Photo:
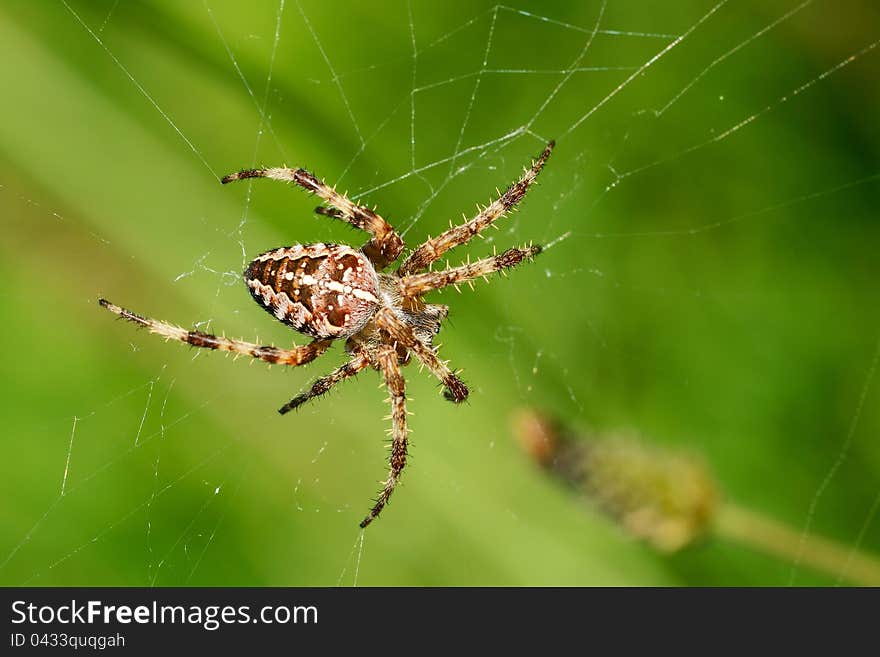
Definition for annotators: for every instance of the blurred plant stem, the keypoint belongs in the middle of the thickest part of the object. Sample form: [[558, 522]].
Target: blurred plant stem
[[763, 533], [670, 499]]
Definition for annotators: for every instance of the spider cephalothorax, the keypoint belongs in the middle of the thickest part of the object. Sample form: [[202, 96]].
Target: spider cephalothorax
[[332, 291]]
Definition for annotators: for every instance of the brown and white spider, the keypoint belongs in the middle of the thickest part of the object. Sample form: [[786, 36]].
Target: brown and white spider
[[332, 291]]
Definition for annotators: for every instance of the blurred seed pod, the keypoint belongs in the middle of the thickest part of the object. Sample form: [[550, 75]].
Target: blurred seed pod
[[671, 500], [665, 498]]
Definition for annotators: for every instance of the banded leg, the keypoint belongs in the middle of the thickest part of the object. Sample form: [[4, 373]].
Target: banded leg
[[325, 383], [295, 356], [387, 361], [418, 284], [455, 389], [385, 246], [435, 247]]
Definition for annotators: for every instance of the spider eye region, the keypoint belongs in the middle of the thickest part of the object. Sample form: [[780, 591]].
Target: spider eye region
[[321, 290]]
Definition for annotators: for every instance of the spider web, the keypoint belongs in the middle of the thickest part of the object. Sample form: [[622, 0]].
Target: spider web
[[681, 291]]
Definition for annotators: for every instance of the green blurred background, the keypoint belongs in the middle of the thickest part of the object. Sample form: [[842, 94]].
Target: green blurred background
[[723, 300]]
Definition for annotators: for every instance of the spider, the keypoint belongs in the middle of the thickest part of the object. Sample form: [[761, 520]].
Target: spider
[[333, 291]]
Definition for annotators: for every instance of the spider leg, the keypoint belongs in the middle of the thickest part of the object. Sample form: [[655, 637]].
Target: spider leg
[[387, 361], [323, 385], [274, 355], [455, 389], [385, 246], [417, 284], [435, 247]]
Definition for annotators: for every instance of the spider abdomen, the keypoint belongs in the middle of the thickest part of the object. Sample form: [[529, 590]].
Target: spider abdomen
[[322, 290]]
